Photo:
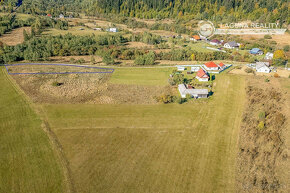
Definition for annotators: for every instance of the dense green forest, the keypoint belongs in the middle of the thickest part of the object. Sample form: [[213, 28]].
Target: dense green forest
[[215, 10]]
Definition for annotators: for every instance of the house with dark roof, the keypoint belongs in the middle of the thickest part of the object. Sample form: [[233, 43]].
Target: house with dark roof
[[231, 45], [202, 75], [256, 51], [195, 93], [215, 42]]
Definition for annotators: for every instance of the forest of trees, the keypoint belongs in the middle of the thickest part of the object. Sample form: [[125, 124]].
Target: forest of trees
[[38, 48], [215, 10]]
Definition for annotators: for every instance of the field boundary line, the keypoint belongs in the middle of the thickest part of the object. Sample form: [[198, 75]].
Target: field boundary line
[[56, 145]]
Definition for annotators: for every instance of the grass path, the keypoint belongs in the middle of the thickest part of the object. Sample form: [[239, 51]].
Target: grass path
[[153, 148], [28, 162]]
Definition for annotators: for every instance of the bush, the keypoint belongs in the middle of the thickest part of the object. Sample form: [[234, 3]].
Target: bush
[[165, 98], [286, 48], [72, 60], [261, 125], [55, 83], [180, 100], [267, 80], [276, 75], [107, 59], [147, 59], [262, 116], [249, 70], [267, 36], [81, 61]]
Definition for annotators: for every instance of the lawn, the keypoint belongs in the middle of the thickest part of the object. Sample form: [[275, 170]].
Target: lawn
[[75, 31], [141, 76], [27, 161], [153, 148], [200, 47]]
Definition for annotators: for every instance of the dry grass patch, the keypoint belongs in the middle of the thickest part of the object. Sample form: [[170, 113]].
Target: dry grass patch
[[15, 36], [84, 88], [263, 154]]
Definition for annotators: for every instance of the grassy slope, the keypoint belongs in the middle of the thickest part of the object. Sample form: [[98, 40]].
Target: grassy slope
[[141, 76], [27, 162], [153, 148]]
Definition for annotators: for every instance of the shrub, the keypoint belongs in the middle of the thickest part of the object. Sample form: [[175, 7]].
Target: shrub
[[262, 116], [107, 59], [286, 48], [55, 83], [261, 125], [72, 60], [267, 36], [180, 100], [165, 98], [81, 61], [147, 59], [249, 70], [267, 80], [276, 75]]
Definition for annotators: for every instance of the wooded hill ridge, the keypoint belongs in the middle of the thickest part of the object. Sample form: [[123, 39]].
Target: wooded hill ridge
[[215, 10]]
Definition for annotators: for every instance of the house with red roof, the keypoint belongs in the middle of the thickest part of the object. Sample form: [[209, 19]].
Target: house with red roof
[[195, 38], [222, 66], [211, 66], [202, 75]]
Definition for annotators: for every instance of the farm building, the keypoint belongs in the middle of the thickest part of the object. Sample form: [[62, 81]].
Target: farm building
[[263, 67], [231, 45], [269, 56], [196, 93], [180, 68], [195, 38], [211, 66], [202, 75], [215, 42], [256, 51], [112, 29]]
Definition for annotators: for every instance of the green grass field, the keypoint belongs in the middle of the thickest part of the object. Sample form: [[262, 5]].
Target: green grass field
[[200, 47], [141, 76], [27, 161], [125, 148], [75, 31], [153, 148]]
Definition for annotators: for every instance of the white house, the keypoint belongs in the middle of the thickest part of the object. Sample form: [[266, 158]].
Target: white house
[[196, 93], [98, 29], [180, 68], [263, 67], [202, 75], [211, 66], [231, 45], [61, 16], [112, 29], [269, 56]]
